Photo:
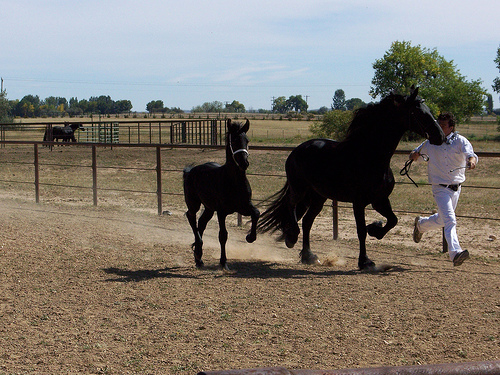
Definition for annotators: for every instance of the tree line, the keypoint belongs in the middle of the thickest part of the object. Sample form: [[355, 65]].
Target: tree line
[[33, 106], [441, 84]]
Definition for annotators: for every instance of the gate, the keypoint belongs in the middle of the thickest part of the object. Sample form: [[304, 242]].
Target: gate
[[103, 132], [204, 132]]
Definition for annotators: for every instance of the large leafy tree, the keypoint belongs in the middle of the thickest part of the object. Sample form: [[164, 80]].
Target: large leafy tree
[[280, 105], [441, 84], [297, 103]]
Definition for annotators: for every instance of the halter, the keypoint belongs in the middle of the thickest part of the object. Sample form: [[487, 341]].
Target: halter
[[233, 153]]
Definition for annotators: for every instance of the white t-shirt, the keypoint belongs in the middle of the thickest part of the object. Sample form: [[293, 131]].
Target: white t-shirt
[[443, 159]]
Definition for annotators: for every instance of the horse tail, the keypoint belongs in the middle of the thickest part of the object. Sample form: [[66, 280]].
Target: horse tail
[[277, 216], [185, 172]]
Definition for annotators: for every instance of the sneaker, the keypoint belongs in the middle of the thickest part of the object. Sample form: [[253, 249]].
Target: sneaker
[[460, 258], [417, 235]]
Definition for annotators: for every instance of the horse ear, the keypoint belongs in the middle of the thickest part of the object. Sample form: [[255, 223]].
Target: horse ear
[[413, 93], [245, 127], [228, 123]]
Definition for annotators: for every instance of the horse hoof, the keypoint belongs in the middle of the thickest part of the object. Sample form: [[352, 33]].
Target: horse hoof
[[375, 229], [373, 268], [310, 259], [367, 265], [199, 264], [289, 244], [251, 237]]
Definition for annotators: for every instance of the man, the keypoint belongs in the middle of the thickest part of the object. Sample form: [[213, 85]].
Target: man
[[446, 172]]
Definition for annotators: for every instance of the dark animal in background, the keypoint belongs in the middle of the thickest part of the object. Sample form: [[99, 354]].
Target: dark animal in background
[[355, 170], [66, 133], [223, 189]]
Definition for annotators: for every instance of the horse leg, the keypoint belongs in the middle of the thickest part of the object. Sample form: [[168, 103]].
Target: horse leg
[[316, 205], [384, 208], [296, 209], [359, 215], [198, 243], [203, 220], [222, 240], [254, 214]]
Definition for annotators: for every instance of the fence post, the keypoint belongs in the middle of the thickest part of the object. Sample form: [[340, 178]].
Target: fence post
[[158, 180], [37, 174], [335, 217], [94, 173]]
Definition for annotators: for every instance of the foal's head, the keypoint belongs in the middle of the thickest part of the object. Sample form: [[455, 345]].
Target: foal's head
[[237, 143]]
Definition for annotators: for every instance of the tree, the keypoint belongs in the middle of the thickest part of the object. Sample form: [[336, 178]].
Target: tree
[[235, 107], [5, 115], [279, 105], [496, 81], [296, 103], [123, 106], [339, 100], [489, 103], [334, 125], [440, 82], [354, 103], [154, 106]]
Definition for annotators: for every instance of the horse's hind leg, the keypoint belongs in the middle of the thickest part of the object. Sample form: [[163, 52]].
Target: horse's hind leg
[[316, 205], [198, 243], [203, 220], [359, 215], [222, 240], [384, 208]]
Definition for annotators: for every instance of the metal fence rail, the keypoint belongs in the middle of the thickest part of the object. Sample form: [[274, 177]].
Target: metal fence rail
[[158, 169]]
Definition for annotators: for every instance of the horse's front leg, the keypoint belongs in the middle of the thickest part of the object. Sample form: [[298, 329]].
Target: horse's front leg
[[359, 215], [384, 208], [222, 240], [254, 214]]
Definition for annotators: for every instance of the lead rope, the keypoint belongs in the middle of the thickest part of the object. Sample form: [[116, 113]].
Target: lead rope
[[405, 171]]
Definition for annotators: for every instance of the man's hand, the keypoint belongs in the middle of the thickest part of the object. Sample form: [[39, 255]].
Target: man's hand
[[471, 164], [414, 155]]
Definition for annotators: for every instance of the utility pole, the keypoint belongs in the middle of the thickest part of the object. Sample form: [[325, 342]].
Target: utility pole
[[2, 86]]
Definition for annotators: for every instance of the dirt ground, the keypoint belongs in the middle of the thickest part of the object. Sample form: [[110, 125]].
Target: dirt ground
[[114, 290]]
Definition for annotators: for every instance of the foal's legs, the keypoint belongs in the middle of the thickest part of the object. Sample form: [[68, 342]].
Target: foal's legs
[[384, 208], [316, 205], [254, 214], [198, 243], [222, 239]]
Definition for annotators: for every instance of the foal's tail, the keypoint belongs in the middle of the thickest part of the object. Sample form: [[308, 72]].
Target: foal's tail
[[277, 216]]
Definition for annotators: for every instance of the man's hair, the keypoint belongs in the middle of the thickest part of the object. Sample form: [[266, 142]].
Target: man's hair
[[447, 116]]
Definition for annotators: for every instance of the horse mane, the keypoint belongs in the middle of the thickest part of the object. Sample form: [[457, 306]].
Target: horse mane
[[370, 115]]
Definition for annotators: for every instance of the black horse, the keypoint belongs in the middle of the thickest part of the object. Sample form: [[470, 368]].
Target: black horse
[[355, 170], [66, 133], [222, 188]]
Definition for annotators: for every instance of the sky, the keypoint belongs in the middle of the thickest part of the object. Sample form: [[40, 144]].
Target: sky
[[188, 52]]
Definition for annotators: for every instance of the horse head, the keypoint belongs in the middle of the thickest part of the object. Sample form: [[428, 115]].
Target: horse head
[[421, 120], [237, 143]]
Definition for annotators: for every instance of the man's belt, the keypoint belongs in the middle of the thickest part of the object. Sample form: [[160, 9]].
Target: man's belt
[[452, 187]]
